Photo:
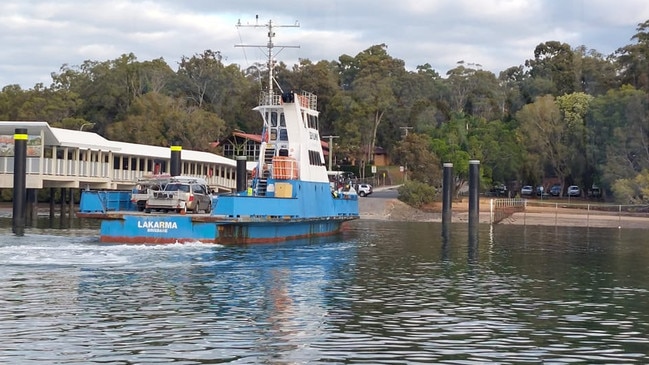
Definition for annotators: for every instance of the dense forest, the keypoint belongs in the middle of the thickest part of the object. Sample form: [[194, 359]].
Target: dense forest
[[567, 112]]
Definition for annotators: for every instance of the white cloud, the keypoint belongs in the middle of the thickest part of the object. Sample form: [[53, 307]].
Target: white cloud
[[39, 36]]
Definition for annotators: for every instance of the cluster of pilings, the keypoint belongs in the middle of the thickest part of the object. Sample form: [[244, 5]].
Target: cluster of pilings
[[474, 201]]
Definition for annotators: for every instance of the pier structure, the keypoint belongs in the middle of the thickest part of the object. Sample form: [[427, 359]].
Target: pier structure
[[76, 159], [64, 158]]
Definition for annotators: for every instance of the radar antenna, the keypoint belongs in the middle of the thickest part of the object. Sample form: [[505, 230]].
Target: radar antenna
[[269, 47]]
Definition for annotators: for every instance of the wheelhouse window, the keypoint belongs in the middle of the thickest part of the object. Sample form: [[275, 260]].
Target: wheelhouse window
[[283, 134]]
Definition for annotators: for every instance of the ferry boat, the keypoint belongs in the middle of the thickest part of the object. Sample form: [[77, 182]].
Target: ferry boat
[[289, 195]]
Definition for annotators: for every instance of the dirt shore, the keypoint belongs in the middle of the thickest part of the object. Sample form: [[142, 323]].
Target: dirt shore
[[395, 210]]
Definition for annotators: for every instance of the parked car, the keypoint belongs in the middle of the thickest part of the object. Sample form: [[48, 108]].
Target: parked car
[[498, 190], [364, 189], [527, 190], [555, 190], [595, 192], [574, 190]]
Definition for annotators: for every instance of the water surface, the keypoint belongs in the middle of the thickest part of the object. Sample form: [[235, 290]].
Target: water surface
[[381, 292]]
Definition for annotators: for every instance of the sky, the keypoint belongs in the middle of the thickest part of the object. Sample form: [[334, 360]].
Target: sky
[[38, 37]]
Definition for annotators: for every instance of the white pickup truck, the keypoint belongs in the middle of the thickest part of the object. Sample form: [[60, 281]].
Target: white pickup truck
[[145, 187], [181, 196]]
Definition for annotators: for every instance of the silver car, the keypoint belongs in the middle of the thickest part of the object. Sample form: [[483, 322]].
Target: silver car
[[573, 190]]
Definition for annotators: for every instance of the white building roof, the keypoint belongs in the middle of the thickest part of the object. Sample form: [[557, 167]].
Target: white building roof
[[92, 141]]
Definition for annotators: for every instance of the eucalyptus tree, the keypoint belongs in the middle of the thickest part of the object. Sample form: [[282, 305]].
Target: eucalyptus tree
[[208, 84], [511, 83], [415, 153], [552, 69], [496, 145], [596, 73], [574, 107], [60, 108], [161, 120], [107, 88], [619, 133], [429, 109], [460, 84], [418, 106], [633, 59], [368, 81], [12, 99], [450, 143], [545, 135]]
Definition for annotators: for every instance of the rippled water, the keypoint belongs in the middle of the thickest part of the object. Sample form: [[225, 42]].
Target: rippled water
[[381, 292]]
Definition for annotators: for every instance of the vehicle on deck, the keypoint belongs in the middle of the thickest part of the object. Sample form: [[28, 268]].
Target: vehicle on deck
[[181, 196], [145, 187]]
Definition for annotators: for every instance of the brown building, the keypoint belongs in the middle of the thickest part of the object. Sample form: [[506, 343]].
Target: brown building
[[247, 144]]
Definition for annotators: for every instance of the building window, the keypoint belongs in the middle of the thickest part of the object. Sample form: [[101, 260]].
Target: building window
[[252, 150], [228, 150]]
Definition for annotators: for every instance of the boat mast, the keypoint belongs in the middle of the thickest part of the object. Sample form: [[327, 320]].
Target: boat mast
[[269, 48]]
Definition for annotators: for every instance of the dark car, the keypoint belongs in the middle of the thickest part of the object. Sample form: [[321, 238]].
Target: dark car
[[498, 190], [555, 190], [595, 192]]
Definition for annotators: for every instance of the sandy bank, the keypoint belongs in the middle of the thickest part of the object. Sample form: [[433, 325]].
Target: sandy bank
[[395, 210]]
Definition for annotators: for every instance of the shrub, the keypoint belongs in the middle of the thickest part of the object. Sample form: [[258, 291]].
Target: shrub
[[417, 194]]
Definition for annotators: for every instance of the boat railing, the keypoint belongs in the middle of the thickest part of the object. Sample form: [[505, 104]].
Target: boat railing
[[306, 99], [266, 98], [285, 168]]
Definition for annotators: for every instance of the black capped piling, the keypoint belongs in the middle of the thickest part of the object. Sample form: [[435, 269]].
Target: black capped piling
[[20, 181]]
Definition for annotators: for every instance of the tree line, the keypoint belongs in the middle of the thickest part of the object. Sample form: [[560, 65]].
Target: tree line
[[567, 112]]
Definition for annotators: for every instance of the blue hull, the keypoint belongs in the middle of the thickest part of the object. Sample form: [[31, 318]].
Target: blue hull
[[235, 219], [172, 228]]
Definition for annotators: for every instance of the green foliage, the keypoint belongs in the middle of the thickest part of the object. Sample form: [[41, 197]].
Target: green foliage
[[619, 133], [545, 134], [415, 153], [634, 190], [554, 61], [633, 59], [161, 121], [417, 194]]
